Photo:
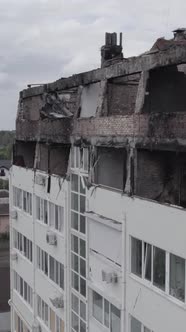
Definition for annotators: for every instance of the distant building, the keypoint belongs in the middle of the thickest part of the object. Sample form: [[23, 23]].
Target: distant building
[[4, 262], [98, 197], [4, 169]]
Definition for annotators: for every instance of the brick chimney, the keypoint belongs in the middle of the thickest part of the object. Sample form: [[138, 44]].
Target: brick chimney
[[111, 52], [179, 34]]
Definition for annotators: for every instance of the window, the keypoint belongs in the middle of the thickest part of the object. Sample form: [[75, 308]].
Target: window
[[43, 311], [159, 268], [147, 261], [155, 270], [23, 200], [78, 264], [24, 245], [80, 158], [19, 326], [51, 267], [137, 326], [42, 260], [39, 208], [78, 314], [137, 248], [56, 324], [177, 277], [27, 202], [48, 316], [115, 319], [17, 197], [50, 214], [80, 166], [45, 212], [56, 272], [136, 257], [23, 289], [97, 306], [106, 313]]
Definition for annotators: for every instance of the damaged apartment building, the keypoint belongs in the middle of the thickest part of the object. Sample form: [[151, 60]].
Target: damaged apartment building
[[98, 196]]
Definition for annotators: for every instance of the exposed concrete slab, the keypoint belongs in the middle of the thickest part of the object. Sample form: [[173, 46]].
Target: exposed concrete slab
[[176, 54]]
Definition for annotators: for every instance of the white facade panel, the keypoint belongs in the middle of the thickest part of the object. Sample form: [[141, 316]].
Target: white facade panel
[[154, 309], [107, 203], [24, 268], [24, 224], [22, 309], [111, 247]]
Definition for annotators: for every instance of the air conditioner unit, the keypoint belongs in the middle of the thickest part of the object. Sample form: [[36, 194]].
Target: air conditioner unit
[[51, 238], [40, 180], [36, 327], [14, 255], [58, 302], [109, 277], [13, 214]]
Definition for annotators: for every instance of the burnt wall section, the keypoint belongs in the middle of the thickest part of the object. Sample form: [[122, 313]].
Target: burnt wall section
[[29, 108], [161, 176], [143, 128], [174, 55], [48, 105], [24, 154], [46, 117], [121, 95], [110, 168], [165, 92], [47, 130]]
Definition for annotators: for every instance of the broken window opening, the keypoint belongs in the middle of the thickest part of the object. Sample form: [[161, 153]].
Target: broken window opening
[[2, 172], [165, 92], [24, 154], [90, 100], [165, 176], [52, 158], [110, 168], [79, 159]]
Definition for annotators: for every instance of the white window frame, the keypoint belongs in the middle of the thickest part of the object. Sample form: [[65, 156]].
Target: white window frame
[[79, 158], [26, 296], [167, 271], [143, 327], [103, 311]]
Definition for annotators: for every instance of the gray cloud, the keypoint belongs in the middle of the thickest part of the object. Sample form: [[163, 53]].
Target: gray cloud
[[42, 40]]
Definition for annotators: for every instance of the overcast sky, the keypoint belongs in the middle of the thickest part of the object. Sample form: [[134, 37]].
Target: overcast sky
[[43, 40]]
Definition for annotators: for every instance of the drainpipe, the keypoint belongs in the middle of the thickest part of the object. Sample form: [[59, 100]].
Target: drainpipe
[[34, 246], [67, 250], [124, 274], [11, 246]]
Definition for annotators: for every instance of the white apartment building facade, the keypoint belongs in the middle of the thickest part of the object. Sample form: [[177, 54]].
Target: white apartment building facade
[[97, 226]]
